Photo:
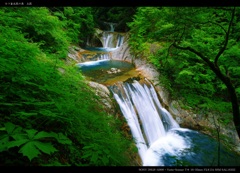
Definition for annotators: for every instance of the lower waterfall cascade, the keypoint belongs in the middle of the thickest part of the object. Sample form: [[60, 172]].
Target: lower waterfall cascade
[[159, 138], [142, 100]]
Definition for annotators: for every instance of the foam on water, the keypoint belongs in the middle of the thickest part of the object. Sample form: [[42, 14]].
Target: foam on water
[[172, 144]]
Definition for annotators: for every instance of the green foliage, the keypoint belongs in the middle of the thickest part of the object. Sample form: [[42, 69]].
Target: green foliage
[[79, 21], [203, 29], [29, 141], [39, 26], [103, 152], [93, 153], [46, 104]]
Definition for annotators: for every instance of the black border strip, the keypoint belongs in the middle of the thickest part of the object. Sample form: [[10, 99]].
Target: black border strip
[[110, 3], [121, 169]]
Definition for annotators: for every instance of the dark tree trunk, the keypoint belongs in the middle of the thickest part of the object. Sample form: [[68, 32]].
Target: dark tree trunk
[[233, 96], [235, 106]]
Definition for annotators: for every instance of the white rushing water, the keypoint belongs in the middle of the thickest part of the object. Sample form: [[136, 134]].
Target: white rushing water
[[130, 115], [91, 63], [150, 123], [112, 40], [107, 39]]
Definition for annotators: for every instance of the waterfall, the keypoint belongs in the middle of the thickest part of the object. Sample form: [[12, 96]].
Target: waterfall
[[146, 117], [120, 39], [112, 40], [95, 60], [123, 98], [107, 39], [103, 56], [108, 36]]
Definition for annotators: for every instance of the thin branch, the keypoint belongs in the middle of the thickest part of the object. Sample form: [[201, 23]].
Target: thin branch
[[210, 64], [169, 50], [203, 23], [194, 51], [219, 26], [226, 39]]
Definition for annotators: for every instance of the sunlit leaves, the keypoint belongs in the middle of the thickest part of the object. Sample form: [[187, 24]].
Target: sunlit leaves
[[38, 25], [185, 73], [79, 23], [167, 26]]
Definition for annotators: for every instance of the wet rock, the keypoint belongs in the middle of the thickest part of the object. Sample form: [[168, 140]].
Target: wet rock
[[132, 79], [103, 92], [73, 53], [114, 71]]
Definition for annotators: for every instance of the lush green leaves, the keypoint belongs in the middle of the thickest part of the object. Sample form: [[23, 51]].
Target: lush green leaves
[[203, 29], [29, 140], [53, 114], [62, 139], [29, 150]]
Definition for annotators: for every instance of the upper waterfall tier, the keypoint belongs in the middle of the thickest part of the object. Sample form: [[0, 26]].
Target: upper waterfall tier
[[105, 40]]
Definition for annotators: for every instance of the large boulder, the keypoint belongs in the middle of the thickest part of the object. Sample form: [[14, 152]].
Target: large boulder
[[104, 94]]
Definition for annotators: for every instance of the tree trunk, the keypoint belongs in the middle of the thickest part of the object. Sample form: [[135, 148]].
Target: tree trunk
[[235, 106], [233, 96]]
